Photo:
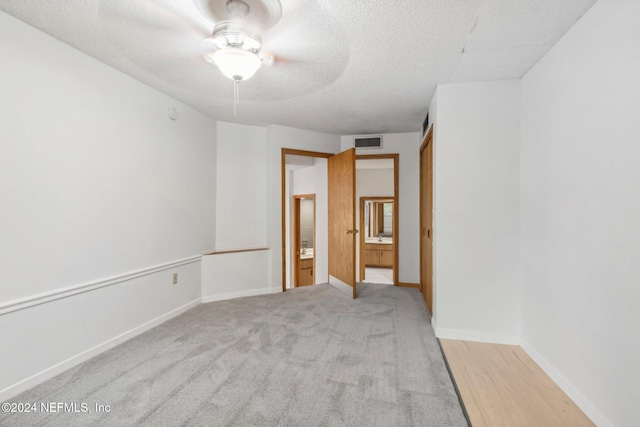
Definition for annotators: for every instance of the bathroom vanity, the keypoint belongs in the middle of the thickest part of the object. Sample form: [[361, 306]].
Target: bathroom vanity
[[379, 253], [305, 272]]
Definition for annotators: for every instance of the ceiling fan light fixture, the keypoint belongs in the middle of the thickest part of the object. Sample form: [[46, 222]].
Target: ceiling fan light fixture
[[267, 58], [238, 25], [236, 63]]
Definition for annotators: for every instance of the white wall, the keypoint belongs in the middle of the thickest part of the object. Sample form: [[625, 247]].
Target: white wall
[[477, 211], [241, 216], [581, 210], [374, 183], [234, 275], [41, 341], [288, 208], [241, 186], [279, 137], [96, 182], [407, 145]]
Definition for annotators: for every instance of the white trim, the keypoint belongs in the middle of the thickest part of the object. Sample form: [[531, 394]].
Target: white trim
[[233, 295], [569, 389], [455, 334], [54, 370], [342, 286], [45, 297]]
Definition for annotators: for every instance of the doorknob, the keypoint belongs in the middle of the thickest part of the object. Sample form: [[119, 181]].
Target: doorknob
[[351, 231]]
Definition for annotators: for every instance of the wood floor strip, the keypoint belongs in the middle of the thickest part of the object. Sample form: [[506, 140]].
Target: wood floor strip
[[502, 386], [455, 385]]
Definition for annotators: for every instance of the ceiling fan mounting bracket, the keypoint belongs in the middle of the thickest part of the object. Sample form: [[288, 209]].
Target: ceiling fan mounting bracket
[[238, 8], [262, 14]]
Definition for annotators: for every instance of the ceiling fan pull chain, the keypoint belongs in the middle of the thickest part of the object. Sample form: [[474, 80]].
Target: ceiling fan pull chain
[[236, 97]]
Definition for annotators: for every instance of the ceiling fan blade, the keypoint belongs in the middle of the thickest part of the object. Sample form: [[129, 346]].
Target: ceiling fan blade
[[163, 16], [302, 65], [135, 30]]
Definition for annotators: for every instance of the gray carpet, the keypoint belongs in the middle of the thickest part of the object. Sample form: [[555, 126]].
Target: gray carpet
[[309, 357]]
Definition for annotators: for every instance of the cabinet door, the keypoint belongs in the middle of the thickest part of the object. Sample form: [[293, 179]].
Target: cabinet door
[[386, 258], [306, 277], [371, 257], [306, 263]]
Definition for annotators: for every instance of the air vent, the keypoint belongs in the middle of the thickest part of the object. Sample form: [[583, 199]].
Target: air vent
[[368, 141], [425, 124]]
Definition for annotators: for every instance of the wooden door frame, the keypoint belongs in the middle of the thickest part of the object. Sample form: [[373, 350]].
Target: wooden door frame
[[283, 197], [428, 139], [362, 265], [396, 205], [295, 231]]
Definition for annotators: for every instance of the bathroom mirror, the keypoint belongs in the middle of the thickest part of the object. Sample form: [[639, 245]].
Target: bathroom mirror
[[378, 218], [306, 224]]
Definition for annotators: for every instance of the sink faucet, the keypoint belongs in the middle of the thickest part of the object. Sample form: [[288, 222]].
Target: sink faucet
[[380, 237]]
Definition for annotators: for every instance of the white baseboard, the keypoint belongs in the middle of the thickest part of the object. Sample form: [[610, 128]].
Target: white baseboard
[[54, 370], [454, 334], [341, 286], [232, 295], [565, 385]]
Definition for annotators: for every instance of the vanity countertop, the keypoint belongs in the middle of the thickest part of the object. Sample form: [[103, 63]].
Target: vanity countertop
[[308, 254], [384, 241]]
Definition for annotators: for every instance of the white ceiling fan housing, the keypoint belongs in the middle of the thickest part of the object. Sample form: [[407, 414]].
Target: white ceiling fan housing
[[237, 33]]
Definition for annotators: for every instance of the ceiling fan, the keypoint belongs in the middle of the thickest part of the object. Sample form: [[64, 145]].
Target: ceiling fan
[[310, 45], [237, 36]]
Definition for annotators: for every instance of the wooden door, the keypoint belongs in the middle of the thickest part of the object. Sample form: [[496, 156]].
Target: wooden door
[[341, 170], [426, 220], [295, 241]]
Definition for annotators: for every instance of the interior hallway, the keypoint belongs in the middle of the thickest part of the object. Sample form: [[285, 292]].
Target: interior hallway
[[382, 276]]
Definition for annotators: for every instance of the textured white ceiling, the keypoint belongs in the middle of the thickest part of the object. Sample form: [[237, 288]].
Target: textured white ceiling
[[342, 67]]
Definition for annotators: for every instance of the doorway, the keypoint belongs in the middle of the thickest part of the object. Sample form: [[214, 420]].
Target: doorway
[[377, 260], [426, 219], [339, 220], [303, 232], [344, 246], [304, 173], [377, 180]]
